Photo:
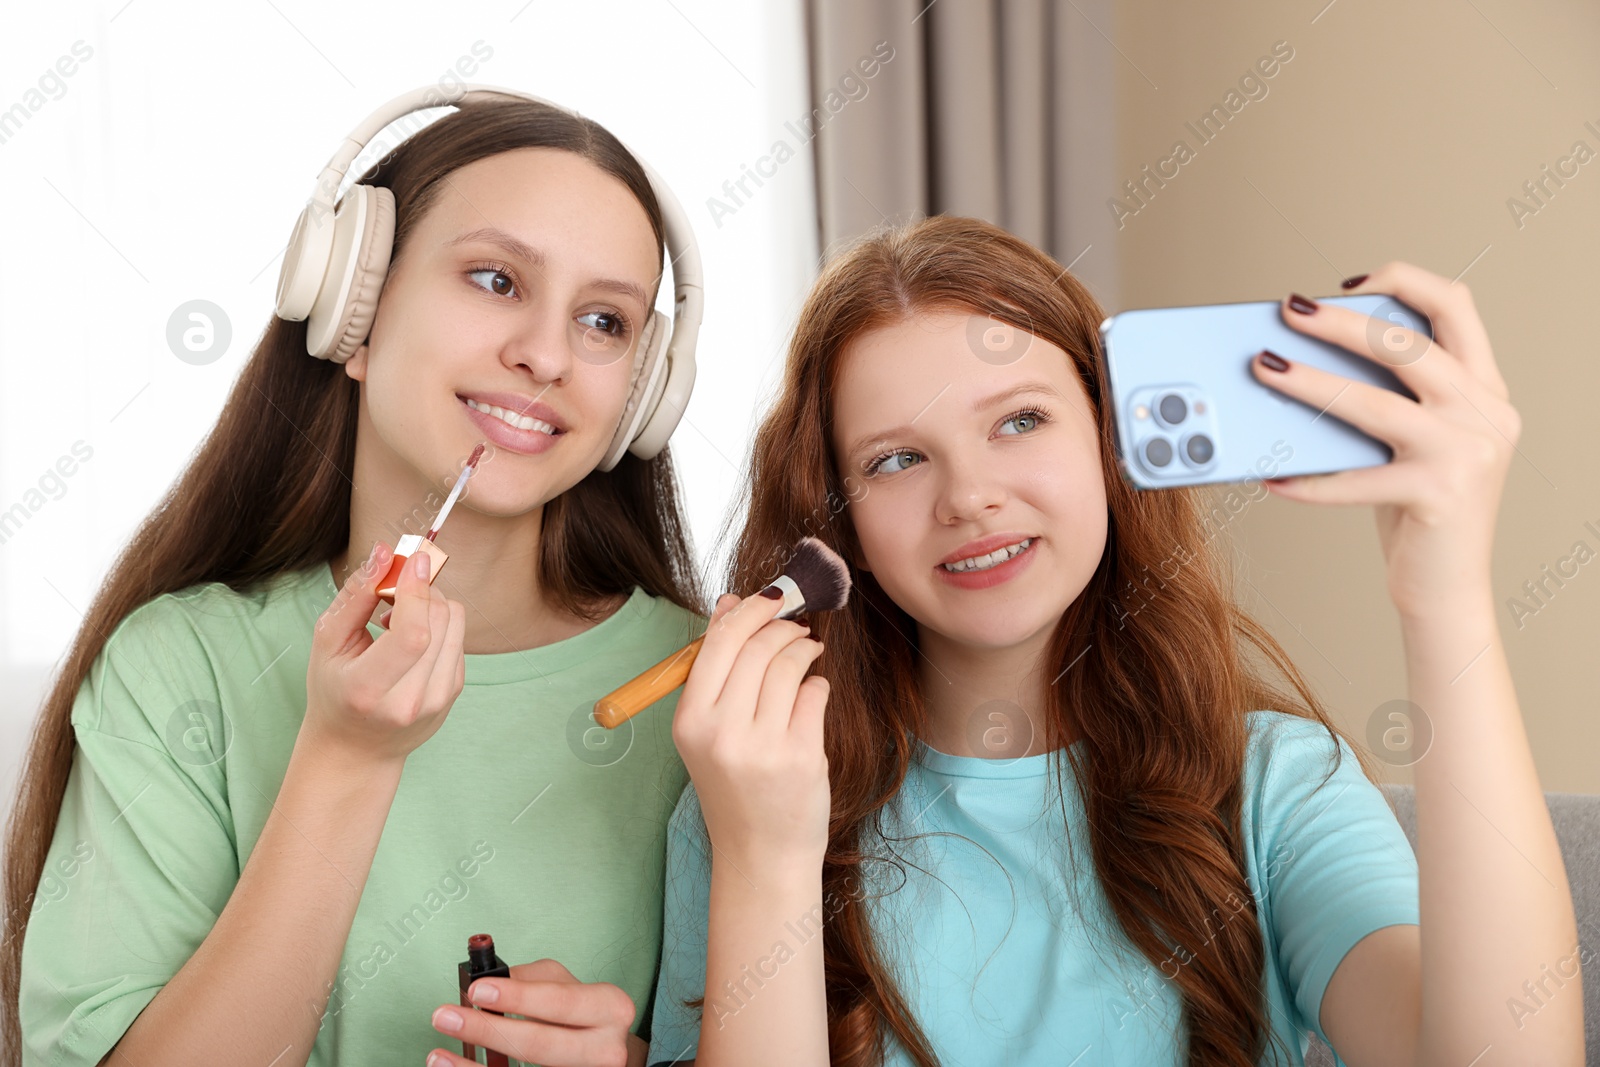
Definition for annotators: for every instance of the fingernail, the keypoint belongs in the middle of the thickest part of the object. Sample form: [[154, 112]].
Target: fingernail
[[483, 993], [1352, 281], [419, 565], [1303, 304], [447, 1019], [803, 620], [1272, 361], [384, 622], [772, 592], [436, 1060]]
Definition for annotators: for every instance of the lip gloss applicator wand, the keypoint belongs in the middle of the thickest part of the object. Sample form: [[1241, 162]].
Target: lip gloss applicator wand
[[410, 544], [815, 579]]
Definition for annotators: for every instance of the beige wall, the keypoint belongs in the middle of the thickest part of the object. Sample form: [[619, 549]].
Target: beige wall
[[1397, 131]]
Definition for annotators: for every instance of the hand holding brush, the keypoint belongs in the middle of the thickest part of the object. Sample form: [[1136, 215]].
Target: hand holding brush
[[749, 728], [814, 580]]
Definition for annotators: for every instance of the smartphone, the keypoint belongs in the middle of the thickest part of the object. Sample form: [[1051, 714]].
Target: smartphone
[[1188, 410]]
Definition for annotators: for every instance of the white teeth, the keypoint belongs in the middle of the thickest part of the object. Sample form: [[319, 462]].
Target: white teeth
[[983, 563], [521, 422]]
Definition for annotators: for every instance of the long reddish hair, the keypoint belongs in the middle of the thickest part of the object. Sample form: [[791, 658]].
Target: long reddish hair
[[1158, 689]]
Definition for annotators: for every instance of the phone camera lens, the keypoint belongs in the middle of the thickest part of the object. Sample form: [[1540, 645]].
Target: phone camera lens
[[1198, 449], [1157, 452], [1172, 409]]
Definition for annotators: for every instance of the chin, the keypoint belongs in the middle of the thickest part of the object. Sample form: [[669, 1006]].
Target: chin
[[1007, 632], [1003, 623], [504, 494]]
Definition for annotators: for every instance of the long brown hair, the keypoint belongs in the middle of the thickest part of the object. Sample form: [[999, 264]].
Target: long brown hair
[[269, 491], [1158, 686]]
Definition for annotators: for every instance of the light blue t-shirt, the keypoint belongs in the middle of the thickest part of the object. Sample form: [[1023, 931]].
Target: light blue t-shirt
[[1005, 958]]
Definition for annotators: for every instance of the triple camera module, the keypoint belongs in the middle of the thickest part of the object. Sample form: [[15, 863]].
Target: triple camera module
[[1172, 431]]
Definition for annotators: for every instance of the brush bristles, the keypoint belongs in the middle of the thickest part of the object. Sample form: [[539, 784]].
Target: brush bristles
[[823, 577]]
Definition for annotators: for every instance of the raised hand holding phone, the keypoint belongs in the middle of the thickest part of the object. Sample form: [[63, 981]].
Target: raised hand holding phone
[[1453, 444], [1188, 411]]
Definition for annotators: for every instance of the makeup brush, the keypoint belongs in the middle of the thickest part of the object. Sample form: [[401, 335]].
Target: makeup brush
[[815, 579], [410, 544]]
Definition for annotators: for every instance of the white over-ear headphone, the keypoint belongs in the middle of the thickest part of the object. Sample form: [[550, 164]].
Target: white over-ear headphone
[[333, 274]]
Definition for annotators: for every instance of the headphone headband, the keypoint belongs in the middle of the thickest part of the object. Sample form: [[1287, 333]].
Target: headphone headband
[[319, 253]]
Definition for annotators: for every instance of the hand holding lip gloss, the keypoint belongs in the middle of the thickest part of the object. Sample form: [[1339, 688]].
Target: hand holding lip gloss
[[409, 545], [481, 962], [415, 684]]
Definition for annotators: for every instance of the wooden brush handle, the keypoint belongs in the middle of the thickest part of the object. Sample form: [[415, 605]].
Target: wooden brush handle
[[630, 698]]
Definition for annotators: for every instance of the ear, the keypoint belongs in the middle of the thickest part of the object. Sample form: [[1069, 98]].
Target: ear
[[356, 366]]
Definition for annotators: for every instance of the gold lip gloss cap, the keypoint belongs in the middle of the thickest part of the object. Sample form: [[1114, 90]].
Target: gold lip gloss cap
[[408, 546]]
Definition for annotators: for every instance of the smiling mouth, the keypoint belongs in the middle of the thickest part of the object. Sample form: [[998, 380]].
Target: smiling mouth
[[512, 419], [993, 559]]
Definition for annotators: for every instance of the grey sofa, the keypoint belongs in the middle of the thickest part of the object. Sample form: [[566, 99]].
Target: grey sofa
[[1577, 821]]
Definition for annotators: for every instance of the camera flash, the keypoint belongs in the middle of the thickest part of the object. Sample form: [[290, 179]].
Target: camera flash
[[1141, 412]]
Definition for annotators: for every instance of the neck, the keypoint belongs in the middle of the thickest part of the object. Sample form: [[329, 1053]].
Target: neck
[[985, 702], [493, 568]]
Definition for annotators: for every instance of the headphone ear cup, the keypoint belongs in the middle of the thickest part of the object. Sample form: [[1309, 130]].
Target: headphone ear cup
[[644, 388], [363, 242]]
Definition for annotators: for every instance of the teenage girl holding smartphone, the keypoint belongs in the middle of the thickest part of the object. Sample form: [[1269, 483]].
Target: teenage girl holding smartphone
[[278, 842], [1034, 808]]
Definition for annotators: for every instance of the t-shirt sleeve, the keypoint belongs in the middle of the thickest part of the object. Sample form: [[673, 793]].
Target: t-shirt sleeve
[[1332, 860], [142, 859], [686, 913]]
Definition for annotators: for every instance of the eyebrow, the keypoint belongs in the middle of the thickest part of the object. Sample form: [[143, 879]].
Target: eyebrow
[[523, 250], [977, 406]]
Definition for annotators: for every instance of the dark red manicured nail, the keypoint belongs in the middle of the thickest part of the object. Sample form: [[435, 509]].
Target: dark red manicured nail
[[1303, 304], [772, 592], [1352, 282], [1272, 361]]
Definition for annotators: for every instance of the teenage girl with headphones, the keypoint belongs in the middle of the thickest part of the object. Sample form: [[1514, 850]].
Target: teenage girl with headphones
[[1063, 813], [247, 831]]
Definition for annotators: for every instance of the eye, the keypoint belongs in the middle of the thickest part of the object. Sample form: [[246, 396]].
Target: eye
[[501, 283], [609, 322], [1032, 417], [878, 464]]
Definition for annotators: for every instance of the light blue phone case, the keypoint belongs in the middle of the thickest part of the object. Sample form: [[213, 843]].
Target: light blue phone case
[[1182, 392]]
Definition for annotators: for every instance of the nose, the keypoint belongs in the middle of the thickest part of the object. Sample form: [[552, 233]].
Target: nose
[[968, 490], [540, 344]]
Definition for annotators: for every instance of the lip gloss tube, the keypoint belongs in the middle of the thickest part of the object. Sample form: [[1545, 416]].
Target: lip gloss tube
[[481, 962], [410, 544]]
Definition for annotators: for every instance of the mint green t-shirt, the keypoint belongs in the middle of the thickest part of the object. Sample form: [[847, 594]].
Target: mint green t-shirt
[[519, 817], [999, 933]]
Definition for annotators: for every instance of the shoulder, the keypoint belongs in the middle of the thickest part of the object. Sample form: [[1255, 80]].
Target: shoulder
[[661, 616], [170, 649], [1299, 777], [1306, 794], [1284, 748], [1327, 860], [688, 842], [687, 819], [205, 605]]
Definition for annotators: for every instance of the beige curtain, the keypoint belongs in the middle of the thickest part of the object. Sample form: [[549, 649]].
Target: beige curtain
[[996, 108]]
